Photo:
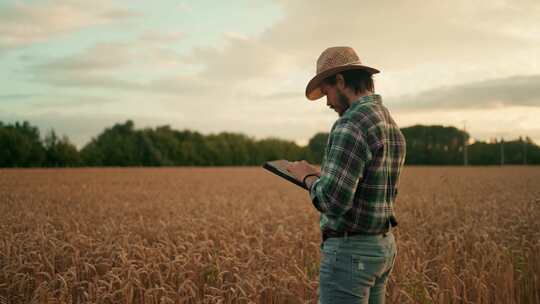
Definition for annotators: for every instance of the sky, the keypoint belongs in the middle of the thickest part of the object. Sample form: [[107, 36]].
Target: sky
[[79, 66]]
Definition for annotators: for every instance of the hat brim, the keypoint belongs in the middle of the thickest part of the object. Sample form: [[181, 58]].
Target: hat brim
[[313, 90]]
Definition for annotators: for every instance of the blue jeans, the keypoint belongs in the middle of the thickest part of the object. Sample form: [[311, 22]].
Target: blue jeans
[[355, 269]]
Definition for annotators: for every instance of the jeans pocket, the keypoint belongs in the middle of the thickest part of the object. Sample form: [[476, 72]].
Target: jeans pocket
[[365, 269]]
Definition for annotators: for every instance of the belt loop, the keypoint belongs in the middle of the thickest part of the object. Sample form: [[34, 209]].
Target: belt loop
[[346, 236]]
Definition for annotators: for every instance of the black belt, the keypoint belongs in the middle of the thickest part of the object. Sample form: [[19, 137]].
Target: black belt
[[332, 234], [338, 234]]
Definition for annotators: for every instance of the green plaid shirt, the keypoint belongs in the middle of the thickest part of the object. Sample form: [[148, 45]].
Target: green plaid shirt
[[360, 171]]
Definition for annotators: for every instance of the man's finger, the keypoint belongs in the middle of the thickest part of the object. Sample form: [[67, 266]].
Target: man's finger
[[291, 165]]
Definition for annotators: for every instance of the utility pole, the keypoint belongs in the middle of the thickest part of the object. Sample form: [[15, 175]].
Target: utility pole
[[502, 151], [525, 151], [465, 144]]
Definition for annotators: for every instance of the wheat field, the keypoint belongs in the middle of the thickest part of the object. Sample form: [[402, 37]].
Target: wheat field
[[242, 235]]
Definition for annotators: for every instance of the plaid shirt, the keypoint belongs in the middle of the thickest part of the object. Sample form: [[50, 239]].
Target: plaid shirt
[[360, 170]]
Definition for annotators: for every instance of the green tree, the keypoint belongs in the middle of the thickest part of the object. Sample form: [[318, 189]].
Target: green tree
[[20, 145], [434, 145], [116, 146], [123, 145], [60, 152]]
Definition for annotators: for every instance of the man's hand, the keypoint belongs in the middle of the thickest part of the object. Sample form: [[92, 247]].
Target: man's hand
[[301, 168]]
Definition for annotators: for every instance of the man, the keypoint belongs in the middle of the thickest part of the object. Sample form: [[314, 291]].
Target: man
[[356, 187]]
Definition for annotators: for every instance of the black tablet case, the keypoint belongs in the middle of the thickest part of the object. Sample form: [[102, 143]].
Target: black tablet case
[[279, 167]]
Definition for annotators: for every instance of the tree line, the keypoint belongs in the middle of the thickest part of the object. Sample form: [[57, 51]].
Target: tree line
[[21, 145]]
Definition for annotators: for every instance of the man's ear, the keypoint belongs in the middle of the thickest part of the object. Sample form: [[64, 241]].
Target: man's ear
[[340, 81]]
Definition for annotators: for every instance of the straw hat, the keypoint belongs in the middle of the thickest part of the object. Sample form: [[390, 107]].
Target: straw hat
[[334, 60]]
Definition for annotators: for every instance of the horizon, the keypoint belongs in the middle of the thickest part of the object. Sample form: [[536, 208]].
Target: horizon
[[242, 66], [472, 139]]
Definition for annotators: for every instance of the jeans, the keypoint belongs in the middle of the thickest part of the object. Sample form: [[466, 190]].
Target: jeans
[[355, 269]]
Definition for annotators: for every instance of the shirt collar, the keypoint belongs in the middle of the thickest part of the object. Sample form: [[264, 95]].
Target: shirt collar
[[375, 98]]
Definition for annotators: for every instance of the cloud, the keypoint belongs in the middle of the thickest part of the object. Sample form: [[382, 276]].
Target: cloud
[[456, 55], [26, 23], [417, 45], [405, 40], [105, 66], [88, 79], [415, 27], [160, 37], [102, 56], [242, 59], [21, 96], [522, 90]]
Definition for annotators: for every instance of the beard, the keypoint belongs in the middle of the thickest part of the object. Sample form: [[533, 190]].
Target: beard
[[343, 102]]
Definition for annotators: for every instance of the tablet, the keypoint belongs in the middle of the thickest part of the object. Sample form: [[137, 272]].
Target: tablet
[[279, 167]]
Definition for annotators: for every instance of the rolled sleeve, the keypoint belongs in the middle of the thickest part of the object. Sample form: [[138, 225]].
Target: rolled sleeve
[[343, 166]]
